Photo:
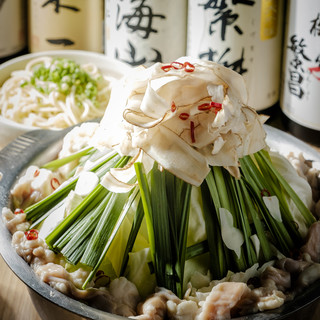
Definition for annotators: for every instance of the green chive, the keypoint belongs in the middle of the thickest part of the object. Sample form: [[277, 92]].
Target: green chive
[[55, 164]]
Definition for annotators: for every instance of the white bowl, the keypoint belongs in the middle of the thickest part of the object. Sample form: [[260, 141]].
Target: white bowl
[[9, 129]]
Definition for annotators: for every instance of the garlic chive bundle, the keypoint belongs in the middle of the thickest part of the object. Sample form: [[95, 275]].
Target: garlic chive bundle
[[177, 144]]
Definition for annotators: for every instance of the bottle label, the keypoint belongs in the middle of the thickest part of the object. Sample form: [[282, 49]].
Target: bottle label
[[145, 31], [58, 25], [269, 19], [301, 87], [244, 36]]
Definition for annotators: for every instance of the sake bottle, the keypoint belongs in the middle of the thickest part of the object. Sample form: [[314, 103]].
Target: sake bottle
[[59, 25], [145, 32], [13, 29], [245, 36], [300, 97]]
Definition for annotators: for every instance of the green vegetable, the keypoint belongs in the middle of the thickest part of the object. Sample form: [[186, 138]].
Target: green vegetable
[[66, 77], [55, 164], [166, 202], [106, 227], [37, 212]]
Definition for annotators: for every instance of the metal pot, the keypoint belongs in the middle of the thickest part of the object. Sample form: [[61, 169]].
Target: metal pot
[[40, 146]]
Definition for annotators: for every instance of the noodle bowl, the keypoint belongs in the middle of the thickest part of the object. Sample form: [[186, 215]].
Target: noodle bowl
[[52, 108], [24, 108]]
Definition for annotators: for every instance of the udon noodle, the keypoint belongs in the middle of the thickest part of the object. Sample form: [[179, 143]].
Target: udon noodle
[[45, 103]]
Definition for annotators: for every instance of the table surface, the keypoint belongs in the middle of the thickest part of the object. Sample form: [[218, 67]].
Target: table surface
[[15, 302]]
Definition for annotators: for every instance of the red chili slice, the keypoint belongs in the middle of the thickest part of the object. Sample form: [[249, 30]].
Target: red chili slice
[[204, 107], [166, 68], [102, 281], [216, 109], [188, 67], [173, 107], [54, 183], [193, 140], [177, 65], [36, 173], [99, 273], [31, 234], [215, 104], [265, 193], [184, 116], [18, 211]]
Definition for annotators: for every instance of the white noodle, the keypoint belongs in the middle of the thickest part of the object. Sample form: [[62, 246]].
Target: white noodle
[[26, 105]]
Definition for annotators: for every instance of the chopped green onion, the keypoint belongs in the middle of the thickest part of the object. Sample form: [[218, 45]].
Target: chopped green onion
[[67, 77]]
